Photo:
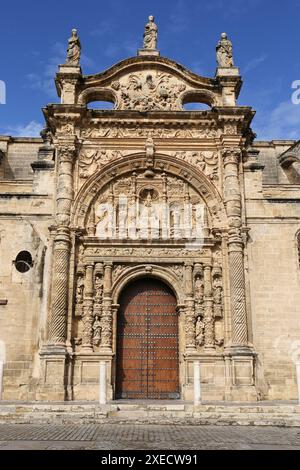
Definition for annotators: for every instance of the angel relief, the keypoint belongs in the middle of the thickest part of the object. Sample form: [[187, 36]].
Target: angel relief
[[91, 160]]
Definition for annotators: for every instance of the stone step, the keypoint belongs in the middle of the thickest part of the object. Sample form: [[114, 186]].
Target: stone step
[[72, 413]]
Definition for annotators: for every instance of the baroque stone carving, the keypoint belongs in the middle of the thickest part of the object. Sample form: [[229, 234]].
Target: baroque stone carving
[[117, 131], [218, 293], [117, 271], [79, 295], [148, 205], [200, 326], [150, 34], [92, 160], [145, 252], [146, 91], [98, 308], [178, 271], [224, 52], [97, 329], [74, 49], [206, 162]]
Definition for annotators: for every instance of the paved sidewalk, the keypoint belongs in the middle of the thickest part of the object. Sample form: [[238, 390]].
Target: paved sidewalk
[[146, 437]]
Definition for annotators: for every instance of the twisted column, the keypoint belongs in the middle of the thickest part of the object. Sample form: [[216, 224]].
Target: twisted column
[[232, 195], [61, 249]]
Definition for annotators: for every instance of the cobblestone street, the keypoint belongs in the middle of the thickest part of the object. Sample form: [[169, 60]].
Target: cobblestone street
[[146, 437]]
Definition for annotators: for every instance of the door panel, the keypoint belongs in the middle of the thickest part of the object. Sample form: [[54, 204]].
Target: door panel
[[147, 345]]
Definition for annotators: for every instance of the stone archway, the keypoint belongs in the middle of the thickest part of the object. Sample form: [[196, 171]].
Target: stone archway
[[147, 363]]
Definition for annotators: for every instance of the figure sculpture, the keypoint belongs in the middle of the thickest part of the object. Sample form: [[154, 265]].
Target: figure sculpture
[[224, 52], [74, 49], [150, 34]]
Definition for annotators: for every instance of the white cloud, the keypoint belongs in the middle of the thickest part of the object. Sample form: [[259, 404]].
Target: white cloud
[[281, 123], [45, 81], [32, 129]]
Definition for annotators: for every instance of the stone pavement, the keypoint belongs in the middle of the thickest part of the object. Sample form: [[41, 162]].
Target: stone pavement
[[146, 437]]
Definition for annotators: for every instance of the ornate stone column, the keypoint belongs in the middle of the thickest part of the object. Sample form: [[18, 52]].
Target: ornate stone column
[[87, 315], [209, 333], [190, 331], [106, 320], [232, 196], [61, 252]]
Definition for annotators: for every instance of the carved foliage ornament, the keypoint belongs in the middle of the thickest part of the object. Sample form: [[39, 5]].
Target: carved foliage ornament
[[117, 131], [146, 91], [207, 163], [92, 160]]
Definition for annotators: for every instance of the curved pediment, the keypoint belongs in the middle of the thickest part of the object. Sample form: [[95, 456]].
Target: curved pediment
[[149, 83]]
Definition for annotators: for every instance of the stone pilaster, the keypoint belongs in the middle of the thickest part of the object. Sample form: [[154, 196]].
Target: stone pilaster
[[107, 317], [87, 316], [209, 333], [190, 321]]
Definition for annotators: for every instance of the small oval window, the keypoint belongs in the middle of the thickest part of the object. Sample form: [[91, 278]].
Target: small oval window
[[23, 262]]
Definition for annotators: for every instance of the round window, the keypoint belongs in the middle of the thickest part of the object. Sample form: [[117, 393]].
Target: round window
[[23, 262]]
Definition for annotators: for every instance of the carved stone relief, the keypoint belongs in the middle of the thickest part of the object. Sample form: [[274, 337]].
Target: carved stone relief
[[208, 307], [140, 207], [92, 160], [99, 131], [149, 90], [207, 162], [145, 252], [117, 271]]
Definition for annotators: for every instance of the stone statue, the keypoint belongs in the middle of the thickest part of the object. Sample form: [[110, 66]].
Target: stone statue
[[224, 52], [199, 331], [98, 289], [150, 34], [74, 49], [97, 331]]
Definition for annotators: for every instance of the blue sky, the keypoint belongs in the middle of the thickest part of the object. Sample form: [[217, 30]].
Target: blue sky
[[265, 36]]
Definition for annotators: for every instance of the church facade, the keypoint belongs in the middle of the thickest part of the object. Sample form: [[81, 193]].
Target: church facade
[[149, 237]]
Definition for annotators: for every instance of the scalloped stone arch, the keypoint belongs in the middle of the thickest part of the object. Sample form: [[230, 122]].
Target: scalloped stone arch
[[147, 270], [135, 162]]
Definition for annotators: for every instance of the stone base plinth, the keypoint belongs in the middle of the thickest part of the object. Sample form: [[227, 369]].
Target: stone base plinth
[[145, 52]]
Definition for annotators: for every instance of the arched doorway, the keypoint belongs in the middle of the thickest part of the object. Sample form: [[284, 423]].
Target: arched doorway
[[147, 342]]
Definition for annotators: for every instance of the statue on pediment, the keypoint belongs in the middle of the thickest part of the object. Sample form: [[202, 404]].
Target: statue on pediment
[[224, 52], [74, 49], [150, 34]]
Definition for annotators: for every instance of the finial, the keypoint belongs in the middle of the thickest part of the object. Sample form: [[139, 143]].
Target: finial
[[224, 52], [74, 49]]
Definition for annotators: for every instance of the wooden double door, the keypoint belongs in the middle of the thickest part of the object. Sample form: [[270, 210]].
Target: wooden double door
[[147, 342]]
